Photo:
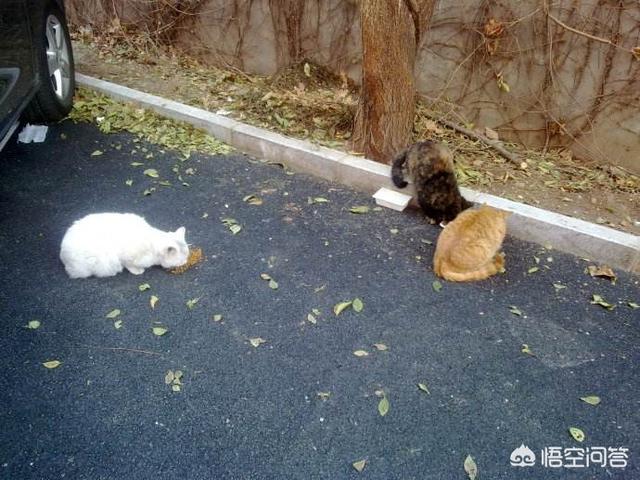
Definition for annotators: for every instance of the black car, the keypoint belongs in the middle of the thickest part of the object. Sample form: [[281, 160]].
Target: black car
[[36, 64]]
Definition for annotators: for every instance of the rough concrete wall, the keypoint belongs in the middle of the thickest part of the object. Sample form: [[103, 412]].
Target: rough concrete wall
[[257, 37], [564, 89]]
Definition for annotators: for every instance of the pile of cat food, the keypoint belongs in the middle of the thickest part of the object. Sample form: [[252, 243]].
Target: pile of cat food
[[195, 257]]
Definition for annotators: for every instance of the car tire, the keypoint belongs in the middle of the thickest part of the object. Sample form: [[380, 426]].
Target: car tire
[[55, 68]]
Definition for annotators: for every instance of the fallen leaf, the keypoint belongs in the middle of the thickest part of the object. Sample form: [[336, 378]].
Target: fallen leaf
[[470, 467], [316, 312], [361, 353], [577, 434], [526, 349], [265, 276], [33, 324], [159, 331], [383, 406], [257, 341], [323, 395], [307, 69], [360, 209], [176, 387], [143, 287], [168, 378], [633, 305], [192, 303], [217, 317], [515, 310], [381, 347], [431, 126], [603, 271], [113, 313], [314, 200], [128, 182], [273, 284], [425, 241], [136, 164], [359, 465], [232, 225], [394, 231], [52, 364], [598, 300], [423, 387], [340, 307], [252, 200], [591, 399], [559, 286], [151, 172], [311, 319], [152, 301], [436, 285], [357, 305], [533, 270], [149, 191], [491, 134], [96, 153]]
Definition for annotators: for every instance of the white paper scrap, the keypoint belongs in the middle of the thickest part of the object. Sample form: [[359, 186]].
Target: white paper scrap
[[392, 199], [33, 133]]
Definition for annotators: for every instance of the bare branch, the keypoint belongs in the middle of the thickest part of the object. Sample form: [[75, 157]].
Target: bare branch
[[495, 144], [632, 51]]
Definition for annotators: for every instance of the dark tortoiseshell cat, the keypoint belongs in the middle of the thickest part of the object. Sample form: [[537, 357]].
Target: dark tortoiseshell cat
[[429, 165]]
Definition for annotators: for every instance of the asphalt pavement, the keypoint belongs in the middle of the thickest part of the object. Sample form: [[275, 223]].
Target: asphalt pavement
[[301, 405]]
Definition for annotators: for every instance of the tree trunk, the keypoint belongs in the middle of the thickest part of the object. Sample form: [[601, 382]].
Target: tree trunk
[[391, 34]]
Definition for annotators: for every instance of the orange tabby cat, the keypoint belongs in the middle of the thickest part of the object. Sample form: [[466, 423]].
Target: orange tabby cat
[[467, 248]]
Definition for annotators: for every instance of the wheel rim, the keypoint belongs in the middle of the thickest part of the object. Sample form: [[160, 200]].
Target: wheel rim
[[58, 58]]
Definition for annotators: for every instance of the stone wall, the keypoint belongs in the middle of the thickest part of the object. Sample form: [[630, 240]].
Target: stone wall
[[505, 65]]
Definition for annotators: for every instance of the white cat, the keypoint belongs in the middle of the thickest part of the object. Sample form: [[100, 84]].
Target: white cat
[[102, 244]]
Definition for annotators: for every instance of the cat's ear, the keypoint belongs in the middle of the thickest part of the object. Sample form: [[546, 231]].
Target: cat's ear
[[180, 233]]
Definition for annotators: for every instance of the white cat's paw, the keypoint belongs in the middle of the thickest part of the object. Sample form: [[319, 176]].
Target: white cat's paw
[[136, 270]]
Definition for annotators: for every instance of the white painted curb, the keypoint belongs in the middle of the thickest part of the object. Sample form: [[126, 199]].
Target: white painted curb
[[567, 234]]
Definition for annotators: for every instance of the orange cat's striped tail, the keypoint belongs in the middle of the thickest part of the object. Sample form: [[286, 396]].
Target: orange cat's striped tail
[[485, 271]]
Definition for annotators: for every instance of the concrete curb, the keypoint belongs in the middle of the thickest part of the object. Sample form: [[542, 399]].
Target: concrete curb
[[617, 249]]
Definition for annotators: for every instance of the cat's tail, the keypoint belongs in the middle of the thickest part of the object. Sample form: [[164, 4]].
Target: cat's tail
[[485, 271], [464, 203], [397, 175]]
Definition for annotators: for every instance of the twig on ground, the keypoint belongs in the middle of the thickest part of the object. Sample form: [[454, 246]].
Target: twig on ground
[[119, 349], [495, 144]]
